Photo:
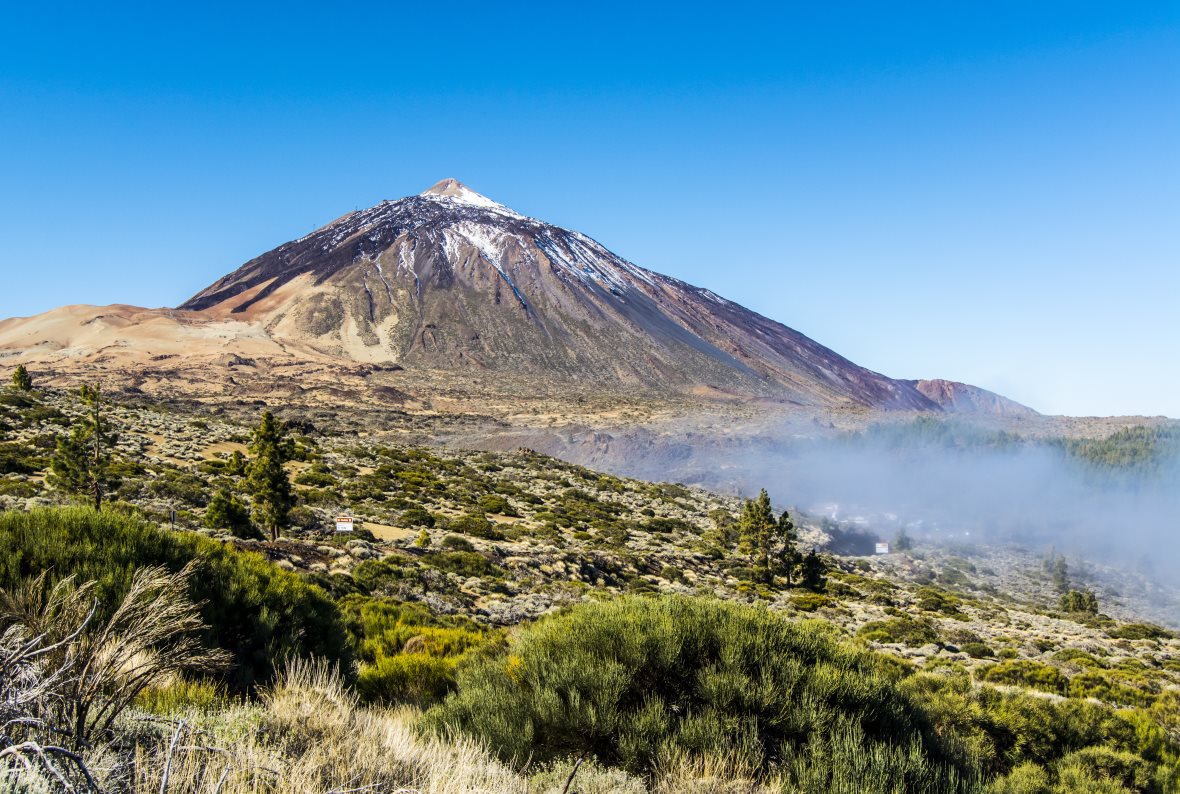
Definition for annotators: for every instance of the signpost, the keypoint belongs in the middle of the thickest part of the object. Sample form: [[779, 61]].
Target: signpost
[[882, 548], [344, 523]]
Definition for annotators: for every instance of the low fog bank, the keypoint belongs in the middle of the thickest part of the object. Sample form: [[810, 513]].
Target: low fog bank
[[940, 480], [990, 489], [1032, 496]]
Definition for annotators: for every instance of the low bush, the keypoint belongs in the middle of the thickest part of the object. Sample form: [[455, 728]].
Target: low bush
[[1139, 631], [416, 678], [1027, 673], [1023, 743], [810, 602], [457, 543], [316, 476], [931, 599], [638, 683], [179, 486], [407, 654], [476, 525], [1079, 657], [1095, 684], [16, 459], [253, 609], [497, 505], [463, 563], [903, 630], [977, 650]]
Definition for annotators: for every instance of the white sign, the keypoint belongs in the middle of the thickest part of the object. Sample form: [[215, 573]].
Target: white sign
[[882, 548], [344, 523]]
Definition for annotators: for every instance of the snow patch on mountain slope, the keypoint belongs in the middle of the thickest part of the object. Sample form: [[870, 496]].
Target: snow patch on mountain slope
[[491, 244]]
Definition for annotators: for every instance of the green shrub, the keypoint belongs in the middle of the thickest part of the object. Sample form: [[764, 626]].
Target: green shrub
[[637, 682], [476, 525], [178, 485], [977, 650], [1027, 673], [255, 610], [497, 505], [317, 476], [810, 602], [18, 459], [672, 574], [457, 543], [463, 563], [407, 654], [931, 599], [1097, 685], [1016, 738], [1139, 631], [660, 525], [904, 630], [1028, 778], [182, 696], [417, 678], [1095, 766], [303, 517], [22, 489], [1079, 657]]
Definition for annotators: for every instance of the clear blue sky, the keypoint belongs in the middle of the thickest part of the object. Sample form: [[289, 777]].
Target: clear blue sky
[[988, 192]]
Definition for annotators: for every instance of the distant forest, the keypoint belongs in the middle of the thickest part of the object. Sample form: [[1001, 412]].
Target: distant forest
[[1135, 455]]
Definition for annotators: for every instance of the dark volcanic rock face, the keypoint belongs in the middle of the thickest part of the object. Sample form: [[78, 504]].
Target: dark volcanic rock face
[[451, 280]]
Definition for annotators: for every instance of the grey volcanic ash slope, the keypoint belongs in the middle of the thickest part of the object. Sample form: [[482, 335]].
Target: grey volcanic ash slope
[[449, 279]]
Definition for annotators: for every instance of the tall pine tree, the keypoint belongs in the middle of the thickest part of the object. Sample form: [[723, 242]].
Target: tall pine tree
[[756, 530], [21, 379], [81, 462], [811, 572], [270, 488], [769, 543], [788, 557]]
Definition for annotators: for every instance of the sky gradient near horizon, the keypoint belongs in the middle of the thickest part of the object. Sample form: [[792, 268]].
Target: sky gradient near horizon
[[981, 192]]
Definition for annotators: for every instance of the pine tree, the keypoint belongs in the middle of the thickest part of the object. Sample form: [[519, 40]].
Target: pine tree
[[811, 572], [1090, 602], [770, 544], [724, 534], [81, 462], [1059, 570], [236, 465], [226, 511], [756, 532], [902, 542], [788, 556], [1079, 601], [270, 488], [21, 379]]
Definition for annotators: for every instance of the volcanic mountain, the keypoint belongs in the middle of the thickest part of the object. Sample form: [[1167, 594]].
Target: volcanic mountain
[[449, 280]]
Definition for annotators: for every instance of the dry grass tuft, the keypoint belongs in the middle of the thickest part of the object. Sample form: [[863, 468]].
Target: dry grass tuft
[[307, 734]]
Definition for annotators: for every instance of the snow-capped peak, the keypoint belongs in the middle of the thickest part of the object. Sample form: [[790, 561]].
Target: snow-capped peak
[[454, 190]]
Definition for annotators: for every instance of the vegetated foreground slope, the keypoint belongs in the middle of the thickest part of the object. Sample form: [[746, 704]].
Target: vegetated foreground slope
[[889, 685], [671, 694], [449, 281]]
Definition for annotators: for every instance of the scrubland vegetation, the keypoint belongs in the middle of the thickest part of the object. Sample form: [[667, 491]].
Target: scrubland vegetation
[[522, 620]]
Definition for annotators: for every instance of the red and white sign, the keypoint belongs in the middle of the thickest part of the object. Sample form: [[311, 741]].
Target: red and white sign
[[344, 523]]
